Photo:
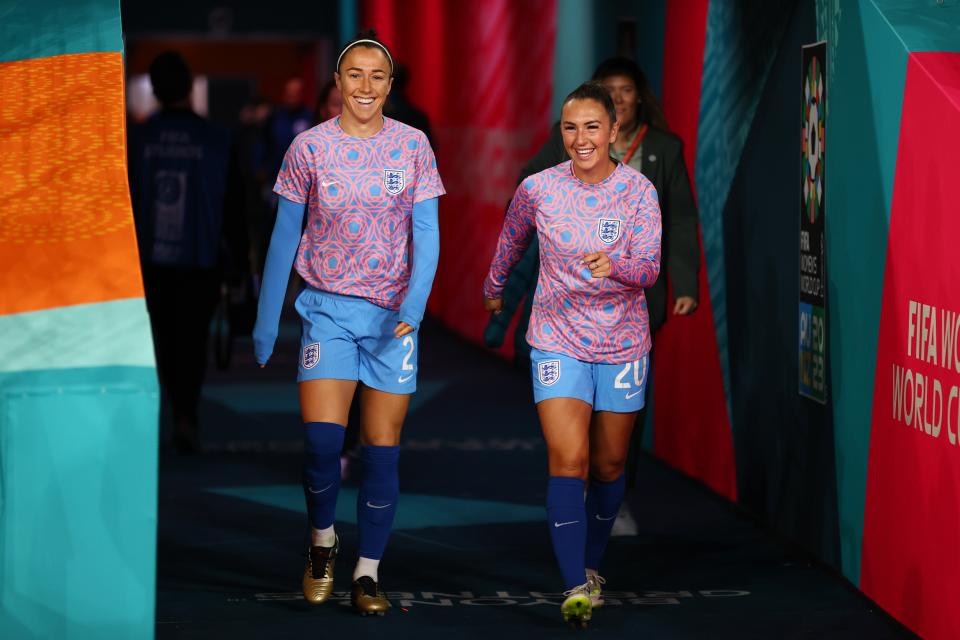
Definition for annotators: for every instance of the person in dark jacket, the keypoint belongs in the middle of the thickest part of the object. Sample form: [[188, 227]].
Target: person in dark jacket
[[188, 210], [645, 144]]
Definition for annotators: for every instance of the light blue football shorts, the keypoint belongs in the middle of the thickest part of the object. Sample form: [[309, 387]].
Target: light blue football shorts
[[349, 338], [606, 387]]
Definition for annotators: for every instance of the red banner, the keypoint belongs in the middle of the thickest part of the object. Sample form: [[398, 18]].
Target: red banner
[[691, 426], [483, 72], [911, 555]]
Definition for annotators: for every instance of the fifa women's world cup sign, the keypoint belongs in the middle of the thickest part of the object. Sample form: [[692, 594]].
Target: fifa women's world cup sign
[[813, 274]]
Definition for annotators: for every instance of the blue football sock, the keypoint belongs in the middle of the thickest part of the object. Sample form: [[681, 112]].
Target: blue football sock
[[377, 499], [323, 442], [566, 517], [603, 503]]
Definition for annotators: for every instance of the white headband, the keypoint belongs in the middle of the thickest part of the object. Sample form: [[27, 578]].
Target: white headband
[[365, 41]]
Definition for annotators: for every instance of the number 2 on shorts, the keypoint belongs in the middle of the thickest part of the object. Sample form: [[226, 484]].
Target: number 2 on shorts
[[408, 342]]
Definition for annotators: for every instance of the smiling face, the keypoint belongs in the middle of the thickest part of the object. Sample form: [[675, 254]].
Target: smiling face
[[587, 136], [364, 82], [623, 91]]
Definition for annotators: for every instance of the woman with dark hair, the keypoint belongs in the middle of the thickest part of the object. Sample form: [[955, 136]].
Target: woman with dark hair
[[598, 224], [628, 86], [369, 186], [645, 144]]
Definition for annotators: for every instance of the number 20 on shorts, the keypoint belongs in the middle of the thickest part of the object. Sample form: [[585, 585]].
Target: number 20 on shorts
[[621, 381]]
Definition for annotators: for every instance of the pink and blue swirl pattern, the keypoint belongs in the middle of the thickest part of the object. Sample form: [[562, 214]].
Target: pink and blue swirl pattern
[[601, 320], [359, 194]]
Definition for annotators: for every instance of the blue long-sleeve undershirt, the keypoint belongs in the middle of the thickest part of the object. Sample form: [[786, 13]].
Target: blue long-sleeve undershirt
[[426, 255], [283, 250], [276, 274]]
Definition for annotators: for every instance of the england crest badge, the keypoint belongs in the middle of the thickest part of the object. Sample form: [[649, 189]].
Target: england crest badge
[[393, 181], [311, 355], [549, 372], [608, 230]]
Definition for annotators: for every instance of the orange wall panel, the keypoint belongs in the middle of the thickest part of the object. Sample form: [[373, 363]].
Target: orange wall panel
[[63, 184]]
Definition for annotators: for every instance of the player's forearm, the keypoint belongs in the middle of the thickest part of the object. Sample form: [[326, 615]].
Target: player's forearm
[[639, 272], [640, 266], [426, 255], [276, 273], [518, 230], [513, 242]]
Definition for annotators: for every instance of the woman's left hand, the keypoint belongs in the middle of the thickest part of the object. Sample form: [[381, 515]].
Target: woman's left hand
[[684, 306], [598, 263], [402, 329]]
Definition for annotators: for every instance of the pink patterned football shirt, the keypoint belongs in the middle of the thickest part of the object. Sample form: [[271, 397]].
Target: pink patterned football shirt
[[602, 320], [359, 194]]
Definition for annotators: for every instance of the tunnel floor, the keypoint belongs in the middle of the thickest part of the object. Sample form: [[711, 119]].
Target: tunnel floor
[[470, 555]]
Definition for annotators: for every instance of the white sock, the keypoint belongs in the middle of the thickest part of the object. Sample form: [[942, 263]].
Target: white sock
[[323, 537], [366, 567]]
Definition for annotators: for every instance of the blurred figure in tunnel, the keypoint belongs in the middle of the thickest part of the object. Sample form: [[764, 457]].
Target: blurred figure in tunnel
[[288, 119], [188, 209], [329, 103], [399, 107], [250, 143]]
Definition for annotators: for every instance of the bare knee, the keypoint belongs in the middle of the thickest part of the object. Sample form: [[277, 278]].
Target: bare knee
[[380, 437], [569, 466], [608, 469]]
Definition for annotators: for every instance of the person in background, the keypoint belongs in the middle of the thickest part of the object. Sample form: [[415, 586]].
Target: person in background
[[288, 119], [329, 103], [188, 209], [645, 144], [250, 143], [598, 223], [399, 107], [368, 255]]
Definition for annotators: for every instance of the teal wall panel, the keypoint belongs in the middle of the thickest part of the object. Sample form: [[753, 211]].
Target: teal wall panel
[[78, 493], [347, 25], [573, 57], [784, 442], [115, 333], [649, 23], [866, 71], [742, 40], [43, 28], [651, 34], [924, 25]]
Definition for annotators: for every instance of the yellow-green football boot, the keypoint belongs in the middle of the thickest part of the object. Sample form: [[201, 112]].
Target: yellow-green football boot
[[318, 575], [595, 589], [576, 609], [367, 598]]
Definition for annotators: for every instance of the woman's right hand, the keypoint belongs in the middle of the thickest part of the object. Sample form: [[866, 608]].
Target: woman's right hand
[[493, 304]]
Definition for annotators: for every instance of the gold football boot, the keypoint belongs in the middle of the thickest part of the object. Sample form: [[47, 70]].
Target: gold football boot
[[367, 598], [318, 576]]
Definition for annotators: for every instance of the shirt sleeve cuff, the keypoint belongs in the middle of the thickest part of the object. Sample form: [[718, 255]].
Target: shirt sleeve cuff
[[428, 194], [292, 196]]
